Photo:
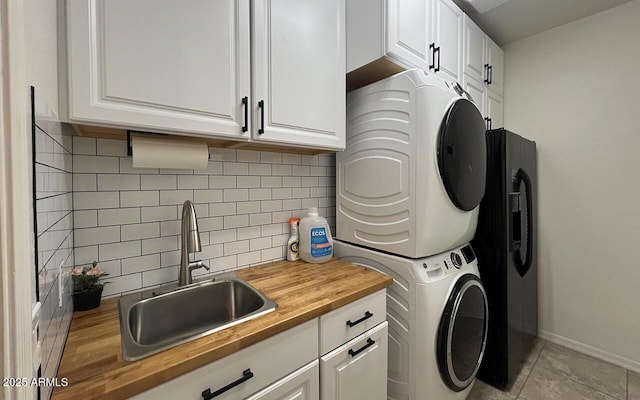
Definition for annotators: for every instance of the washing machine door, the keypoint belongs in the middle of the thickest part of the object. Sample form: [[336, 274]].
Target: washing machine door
[[462, 154], [462, 334]]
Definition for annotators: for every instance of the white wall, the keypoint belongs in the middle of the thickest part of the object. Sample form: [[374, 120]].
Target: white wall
[[575, 90]]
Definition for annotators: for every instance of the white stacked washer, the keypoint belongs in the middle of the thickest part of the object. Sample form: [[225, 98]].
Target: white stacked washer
[[413, 173], [437, 314], [408, 188]]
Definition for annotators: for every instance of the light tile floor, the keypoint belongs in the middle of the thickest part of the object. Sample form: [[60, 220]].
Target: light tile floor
[[554, 372]]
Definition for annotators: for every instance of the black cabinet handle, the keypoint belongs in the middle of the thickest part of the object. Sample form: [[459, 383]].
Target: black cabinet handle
[[246, 375], [367, 315], [370, 342], [245, 101], [486, 73], [432, 48], [486, 121], [437, 50], [490, 74], [261, 107], [489, 120]]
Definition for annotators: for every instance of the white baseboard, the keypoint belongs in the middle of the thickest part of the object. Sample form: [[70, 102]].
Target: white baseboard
[[612, 358]]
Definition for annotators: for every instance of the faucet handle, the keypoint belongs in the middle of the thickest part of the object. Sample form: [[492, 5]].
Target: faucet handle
[[196, 265]]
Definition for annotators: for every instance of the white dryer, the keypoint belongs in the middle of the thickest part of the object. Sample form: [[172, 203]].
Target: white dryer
[[413, 172], [437, 314]]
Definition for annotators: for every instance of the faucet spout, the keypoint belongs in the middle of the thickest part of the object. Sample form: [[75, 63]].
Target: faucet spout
[[190, 242]]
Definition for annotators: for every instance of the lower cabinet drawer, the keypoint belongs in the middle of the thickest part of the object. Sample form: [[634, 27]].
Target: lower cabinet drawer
[[343, 324], [243, 373], [302, 384], [357, 369]]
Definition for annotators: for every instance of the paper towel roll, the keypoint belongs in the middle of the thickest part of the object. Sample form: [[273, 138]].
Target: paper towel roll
[[168, 152]]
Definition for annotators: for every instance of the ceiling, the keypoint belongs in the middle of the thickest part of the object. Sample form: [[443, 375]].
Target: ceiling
[[507, 21]]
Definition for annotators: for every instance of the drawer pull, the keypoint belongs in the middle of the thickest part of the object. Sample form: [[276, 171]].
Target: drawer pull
[[367, 315], [246, 375], [370, 342]]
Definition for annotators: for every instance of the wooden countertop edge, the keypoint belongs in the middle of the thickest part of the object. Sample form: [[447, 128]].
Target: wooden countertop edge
[[114, 384]]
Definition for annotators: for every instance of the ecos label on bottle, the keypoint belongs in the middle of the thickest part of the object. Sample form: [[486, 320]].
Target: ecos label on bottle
[[320, 245]]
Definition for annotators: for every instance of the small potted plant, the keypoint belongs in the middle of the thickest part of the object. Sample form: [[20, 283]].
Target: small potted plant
[[87, 288]]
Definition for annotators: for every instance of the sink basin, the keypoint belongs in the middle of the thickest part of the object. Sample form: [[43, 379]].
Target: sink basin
[[151, 322]]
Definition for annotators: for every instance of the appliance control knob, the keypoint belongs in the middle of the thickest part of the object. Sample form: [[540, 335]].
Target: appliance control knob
[[457, 261]]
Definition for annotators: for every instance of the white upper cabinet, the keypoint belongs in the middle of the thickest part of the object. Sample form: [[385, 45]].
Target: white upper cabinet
[[446, 40], [408, 32], [199, 67], [299, 72], [159, 65], [483, 63]]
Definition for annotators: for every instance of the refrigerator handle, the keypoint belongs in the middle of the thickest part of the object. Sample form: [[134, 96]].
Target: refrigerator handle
[[515, 234], [523, 267]]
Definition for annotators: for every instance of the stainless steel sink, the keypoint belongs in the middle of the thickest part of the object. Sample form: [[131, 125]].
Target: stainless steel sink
[[151, 322]]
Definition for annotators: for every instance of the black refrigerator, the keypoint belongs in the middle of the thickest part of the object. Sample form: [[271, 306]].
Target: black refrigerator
[[505, 245]]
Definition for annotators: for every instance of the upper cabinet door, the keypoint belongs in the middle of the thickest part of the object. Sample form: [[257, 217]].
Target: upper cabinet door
[[409, 24], [299, 72], [495, 56], [474, 51], [447, 34], [159, 65]]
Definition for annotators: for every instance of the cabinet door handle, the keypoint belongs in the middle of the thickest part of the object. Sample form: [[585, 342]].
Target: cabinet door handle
[[432, 49], [489, 120], [245, 101], [246, 375], [370, 342], [490, 74], [367, 315], [261, 107], [486, 122], [437, 50], [486, 73]]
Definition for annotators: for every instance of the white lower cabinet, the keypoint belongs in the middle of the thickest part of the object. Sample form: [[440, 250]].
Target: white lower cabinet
[[300, 385], [351, 339], [357, 369]]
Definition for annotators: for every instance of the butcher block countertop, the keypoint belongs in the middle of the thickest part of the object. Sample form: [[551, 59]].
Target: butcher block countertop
[[92, 359]]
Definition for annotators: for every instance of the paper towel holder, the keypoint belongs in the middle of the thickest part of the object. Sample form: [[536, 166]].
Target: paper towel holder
[[129, 131]]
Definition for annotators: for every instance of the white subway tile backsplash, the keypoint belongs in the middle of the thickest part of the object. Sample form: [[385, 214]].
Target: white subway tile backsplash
[[247, 155], [281, 170], [140, 231], [232, 168], [159, 276], [124, 283], [158, 182], [193, 182], [139, 198], [90, 236], [230, 195], [259, 244], [236, 221], [139, 264], [84, 145], [113, 268], [260, 219], [112, 147], [260, 169], [232, 248], [248, 207], [85, 183], [95, 164], [269, 157], [290, 158], [158, 245], [85, 219], [178, 197], [222, 182], [243, 199], [95, 200], [118, 216], [248, 182], [271, 181], [114, 251], [118, 182]]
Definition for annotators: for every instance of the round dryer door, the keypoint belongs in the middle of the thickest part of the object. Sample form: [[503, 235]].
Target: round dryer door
[[462, 154], [462, 334]]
